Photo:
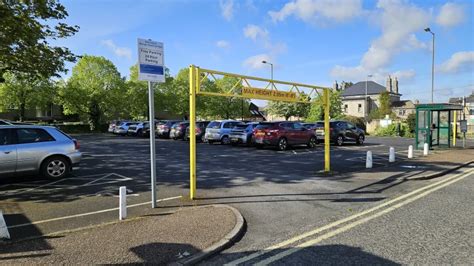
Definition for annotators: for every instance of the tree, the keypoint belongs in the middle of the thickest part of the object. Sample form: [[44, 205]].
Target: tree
[[95, 91], [385, 104], [225, 107], [137, 94], [21, 91], [26, 29], [289, 109], [316, 112]]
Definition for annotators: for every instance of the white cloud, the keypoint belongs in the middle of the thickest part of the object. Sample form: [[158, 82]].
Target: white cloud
[[399, 22], [359, 73], [460, 61], [118, 51], [450, 15], [255, 62], [404, 74], [319, 11], [227, 9], [255, 32], [223, 44]]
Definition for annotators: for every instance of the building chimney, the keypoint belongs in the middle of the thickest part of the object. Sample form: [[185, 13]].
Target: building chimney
[[343, 85], [389, 84], [335, 86], [417, 102], [395, 85]]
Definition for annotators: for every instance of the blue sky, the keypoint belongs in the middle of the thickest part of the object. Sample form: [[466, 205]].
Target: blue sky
[[309, 41]]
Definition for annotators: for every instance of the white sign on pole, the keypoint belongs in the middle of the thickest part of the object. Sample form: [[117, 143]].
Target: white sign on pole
[[152, 69], [151, 66]]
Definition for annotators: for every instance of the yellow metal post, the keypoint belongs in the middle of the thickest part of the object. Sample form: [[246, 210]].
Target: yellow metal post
[[193, 82], [327, 156], [454, 128]]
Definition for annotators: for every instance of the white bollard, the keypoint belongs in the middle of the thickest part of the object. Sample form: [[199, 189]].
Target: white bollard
[[122, 203], [425, 149], [391, 155], [368, 161], [410, 151]]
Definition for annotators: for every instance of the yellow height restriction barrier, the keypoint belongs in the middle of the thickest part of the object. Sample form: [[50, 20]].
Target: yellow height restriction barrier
[[246, 87]]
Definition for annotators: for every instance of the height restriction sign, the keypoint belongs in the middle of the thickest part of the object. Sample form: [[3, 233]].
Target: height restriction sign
[[150, 61]]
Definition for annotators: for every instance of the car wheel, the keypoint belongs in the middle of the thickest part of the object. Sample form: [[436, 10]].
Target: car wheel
[[55, 167], [340, 140], [140, 133], [360, 139], [225, 140], [313, 141], [282, 144]]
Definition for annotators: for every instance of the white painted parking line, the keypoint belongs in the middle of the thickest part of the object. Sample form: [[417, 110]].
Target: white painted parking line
[[4, 234], [88, 213], [53, 186], [93, 181]]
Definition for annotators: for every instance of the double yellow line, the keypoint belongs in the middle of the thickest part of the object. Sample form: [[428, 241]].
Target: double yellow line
[[374, 212]]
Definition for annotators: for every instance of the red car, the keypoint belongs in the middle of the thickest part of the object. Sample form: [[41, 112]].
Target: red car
[[283, 134]]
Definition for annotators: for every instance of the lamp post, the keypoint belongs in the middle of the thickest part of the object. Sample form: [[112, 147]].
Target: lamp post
[[271, 65], [365, 99], [432, 63]]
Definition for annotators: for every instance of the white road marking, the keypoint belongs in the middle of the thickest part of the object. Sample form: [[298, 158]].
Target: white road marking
[[93, 181], [88, 213], [339, 222], [356, 223], [3, 228]]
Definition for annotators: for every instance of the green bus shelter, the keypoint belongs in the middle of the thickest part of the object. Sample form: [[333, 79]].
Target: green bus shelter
[[436, 124]]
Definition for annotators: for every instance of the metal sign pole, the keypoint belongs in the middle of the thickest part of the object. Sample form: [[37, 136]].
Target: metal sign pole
[[151, 117]]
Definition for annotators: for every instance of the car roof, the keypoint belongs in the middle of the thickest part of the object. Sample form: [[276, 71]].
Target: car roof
[[28, 126]]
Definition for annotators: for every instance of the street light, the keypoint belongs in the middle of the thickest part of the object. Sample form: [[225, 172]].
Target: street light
[[432, 63], [366, 110], [271, 65]]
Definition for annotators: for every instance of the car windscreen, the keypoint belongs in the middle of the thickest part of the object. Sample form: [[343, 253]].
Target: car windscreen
[[266, 125], [320, 124], [214, 125], [241, 126]]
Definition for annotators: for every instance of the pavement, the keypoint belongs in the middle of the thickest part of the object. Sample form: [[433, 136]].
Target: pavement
[[181, 237]]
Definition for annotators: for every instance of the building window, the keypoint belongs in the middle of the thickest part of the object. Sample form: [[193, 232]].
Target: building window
[[359, 108], [345, 108]]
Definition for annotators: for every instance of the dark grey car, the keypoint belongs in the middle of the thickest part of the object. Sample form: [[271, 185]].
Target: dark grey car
[[343, 131], [37, 149]]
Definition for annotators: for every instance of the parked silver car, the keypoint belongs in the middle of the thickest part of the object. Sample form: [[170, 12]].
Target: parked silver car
[[37, 149]]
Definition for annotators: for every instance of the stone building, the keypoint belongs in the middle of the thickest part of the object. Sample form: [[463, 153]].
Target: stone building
[[363, 97]]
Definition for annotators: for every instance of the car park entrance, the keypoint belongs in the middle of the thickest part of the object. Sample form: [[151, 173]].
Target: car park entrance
[[252, 88]]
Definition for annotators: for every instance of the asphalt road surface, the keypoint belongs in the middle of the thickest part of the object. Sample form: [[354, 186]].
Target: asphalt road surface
[[429, 226], [280, 193]]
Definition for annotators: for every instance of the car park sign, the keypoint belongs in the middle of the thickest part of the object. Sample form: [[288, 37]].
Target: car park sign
[[150, 61]]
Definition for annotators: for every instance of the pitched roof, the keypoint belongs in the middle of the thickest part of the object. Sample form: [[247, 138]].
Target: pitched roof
[[359, 89]]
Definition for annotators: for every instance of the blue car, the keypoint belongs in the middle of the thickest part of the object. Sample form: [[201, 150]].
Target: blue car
[[219, 131], [243, 134]]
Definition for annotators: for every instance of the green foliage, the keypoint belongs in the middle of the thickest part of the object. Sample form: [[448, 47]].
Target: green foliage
[[393, 130], [20, 92], [26, 29], [95, 91], [411, 122], [358, 121], [385, 104], [289, 109], [224, 107], [316, 112]]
